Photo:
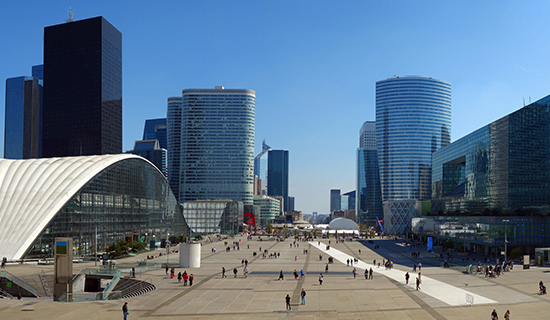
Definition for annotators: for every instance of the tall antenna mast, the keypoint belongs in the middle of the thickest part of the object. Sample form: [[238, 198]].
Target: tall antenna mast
[[71, 15]]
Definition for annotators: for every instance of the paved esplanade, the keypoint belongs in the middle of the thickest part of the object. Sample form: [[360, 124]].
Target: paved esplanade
[[262, 296]]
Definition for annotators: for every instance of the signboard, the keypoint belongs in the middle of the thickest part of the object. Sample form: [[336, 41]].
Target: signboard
[[430, 244]]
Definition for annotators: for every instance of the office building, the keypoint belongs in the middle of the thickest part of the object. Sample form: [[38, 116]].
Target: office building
[[350, 197], [116, 197], [277, 175], [217, 145], [22, 129], [291, 203], [413, 120], [368, 193], [151, 150], [214, 216], [260, 169], [335, 200], [270, 208], [82, 106], [156, 129], [173, 137]]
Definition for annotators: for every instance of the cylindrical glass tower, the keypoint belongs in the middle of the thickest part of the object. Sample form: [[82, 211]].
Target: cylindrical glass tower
[[413, 120]]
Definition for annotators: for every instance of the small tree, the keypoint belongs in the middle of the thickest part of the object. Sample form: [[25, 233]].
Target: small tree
[[516, 253]]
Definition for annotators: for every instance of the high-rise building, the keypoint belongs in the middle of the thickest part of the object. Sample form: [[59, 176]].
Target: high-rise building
[[277, 175], [82, 107], [368, 196], [351, 200], [217, 145], [173, 137], [156, 129], [291, 205], [260, 168], [413, 120], [22, 129], [335, 200], [151, 150]]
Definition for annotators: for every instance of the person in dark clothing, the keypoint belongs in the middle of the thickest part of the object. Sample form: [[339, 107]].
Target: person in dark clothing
[[287, 299], [303, 295], [235, 272], [191, 279], [125, 311]]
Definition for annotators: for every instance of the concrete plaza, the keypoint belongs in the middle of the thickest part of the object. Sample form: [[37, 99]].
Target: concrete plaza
[[261, 295]]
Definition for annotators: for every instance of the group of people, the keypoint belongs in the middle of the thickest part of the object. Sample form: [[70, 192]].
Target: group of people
[[187, 278], [494, 315]]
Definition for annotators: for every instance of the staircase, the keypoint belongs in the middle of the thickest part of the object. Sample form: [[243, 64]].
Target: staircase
[[131, 288]]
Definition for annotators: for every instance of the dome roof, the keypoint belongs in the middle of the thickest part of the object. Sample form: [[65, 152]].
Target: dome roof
[[343, 224], [33, 191]]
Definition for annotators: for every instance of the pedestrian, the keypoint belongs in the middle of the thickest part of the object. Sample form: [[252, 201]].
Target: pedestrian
[[354, 273], [172, 272], [166, 269], [235, 272], [191, 279], [185, 278], [320, 278], [347, 262], [281, 275], [419, 266], [506, 315], [326, 268], [366, 274], [246, 262], [303, 295], [223, 273], [242, 263], [494, 315], [407, 278], [19, 297], [179, 277], [245, 272], [125, 311], [370, 274], [295, 274], [287, 299], [359, 251], [417, 284], [302, 273]]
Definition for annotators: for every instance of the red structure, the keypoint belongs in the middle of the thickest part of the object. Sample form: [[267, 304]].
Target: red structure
[[249, 219]]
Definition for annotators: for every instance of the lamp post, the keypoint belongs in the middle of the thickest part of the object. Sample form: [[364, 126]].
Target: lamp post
[[505, 237]]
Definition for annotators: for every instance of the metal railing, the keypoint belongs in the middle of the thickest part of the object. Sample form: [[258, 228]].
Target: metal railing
[[5, 295], [19, 282], [47, 288]]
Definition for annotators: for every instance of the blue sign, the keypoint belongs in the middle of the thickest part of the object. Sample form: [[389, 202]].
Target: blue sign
[[430, 244]]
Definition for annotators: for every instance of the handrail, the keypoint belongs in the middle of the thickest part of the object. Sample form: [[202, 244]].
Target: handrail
[[19, 282], [47, 282], [5, 294], [111, 285]]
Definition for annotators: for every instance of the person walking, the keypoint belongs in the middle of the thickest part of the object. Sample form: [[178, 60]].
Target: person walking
[[185, 278], [320, 279], [245, 272], [179, 276], [507, 315], [281, 275], [223, 273], [407, 278], [494, 314], [303, 295], [166, 269], [354, 273], [235, 272], [366, 274], [417, 284], [191, 279], [370, 274], [287, 299], [125, 311]]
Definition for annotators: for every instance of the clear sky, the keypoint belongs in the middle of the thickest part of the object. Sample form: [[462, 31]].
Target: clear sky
[[313, 65]]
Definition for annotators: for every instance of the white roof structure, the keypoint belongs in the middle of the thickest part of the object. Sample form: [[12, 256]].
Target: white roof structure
[[343, 224], [33, 191]]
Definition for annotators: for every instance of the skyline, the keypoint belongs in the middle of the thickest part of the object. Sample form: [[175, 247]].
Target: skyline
[[313, 68]]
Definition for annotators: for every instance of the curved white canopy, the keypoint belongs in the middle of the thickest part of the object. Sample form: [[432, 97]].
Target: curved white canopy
[[343, 224], [33, 191]]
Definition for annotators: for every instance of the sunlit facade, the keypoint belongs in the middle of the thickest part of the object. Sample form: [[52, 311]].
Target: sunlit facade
[[214, 216], [123, 197]]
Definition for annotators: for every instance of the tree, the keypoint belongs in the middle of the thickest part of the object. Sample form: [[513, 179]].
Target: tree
[[516, 253]]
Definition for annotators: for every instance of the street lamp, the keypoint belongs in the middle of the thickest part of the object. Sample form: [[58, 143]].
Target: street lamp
[[505, 237]]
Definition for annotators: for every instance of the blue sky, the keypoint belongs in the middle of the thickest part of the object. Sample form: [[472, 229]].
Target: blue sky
[[313, 65]]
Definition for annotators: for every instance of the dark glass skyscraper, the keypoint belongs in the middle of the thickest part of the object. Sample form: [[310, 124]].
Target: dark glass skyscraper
[[156, 129], [277, 175], [23, 110], [82, 107]]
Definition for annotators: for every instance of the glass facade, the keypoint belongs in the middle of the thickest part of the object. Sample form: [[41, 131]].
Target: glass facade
[[125, 201], [486, 235], [277, 175], [260, 168], [173, 133], [270, 208], [82, 106], [22, 130], [214, 217], [335, 200], [156, 129], [217, 145], [151, 150], [500, 169], [413, 120], [369, 196]]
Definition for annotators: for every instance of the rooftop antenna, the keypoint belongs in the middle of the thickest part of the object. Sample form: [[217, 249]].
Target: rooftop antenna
[[71, 15], [524, 101]]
